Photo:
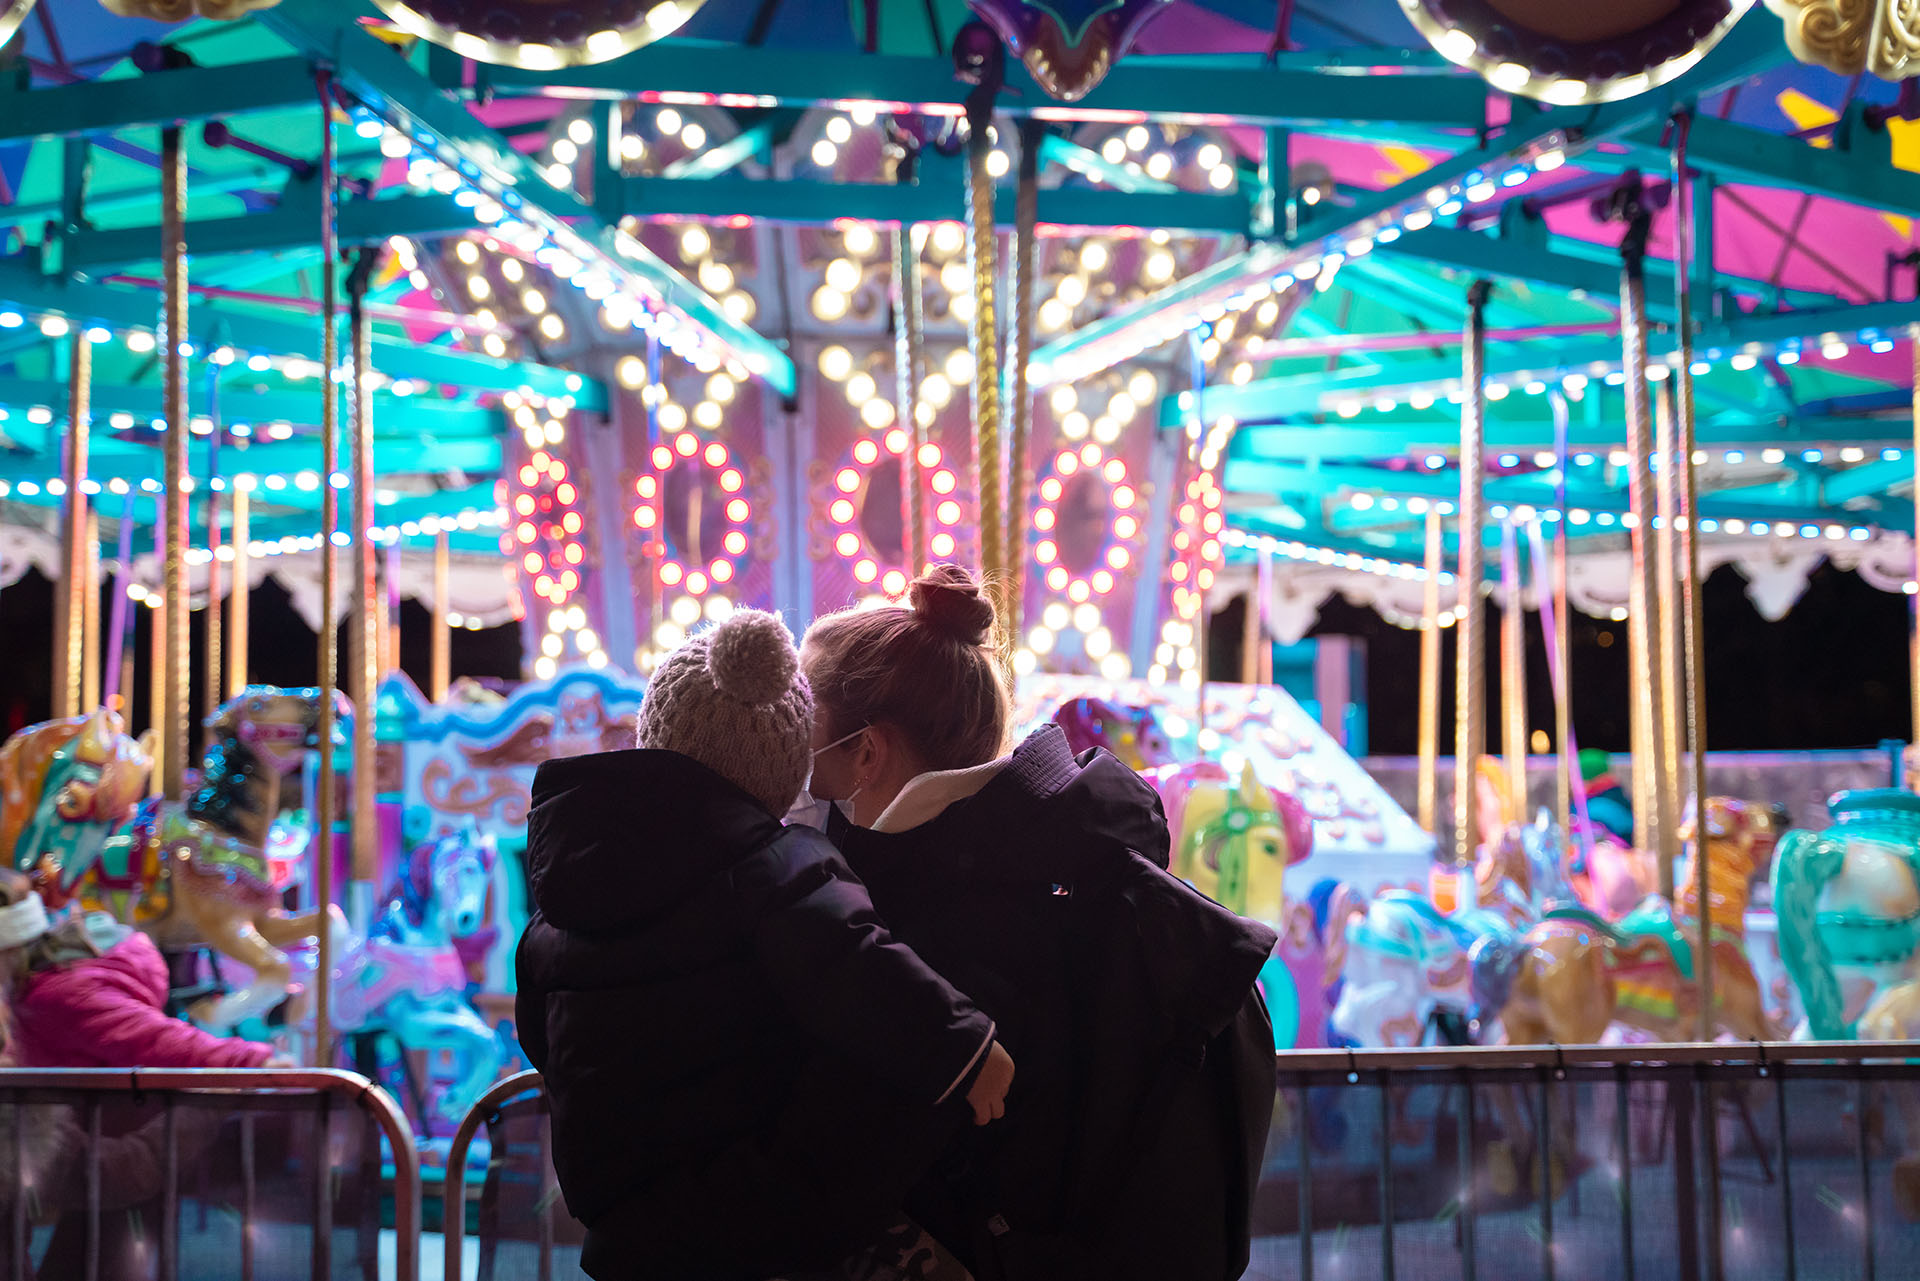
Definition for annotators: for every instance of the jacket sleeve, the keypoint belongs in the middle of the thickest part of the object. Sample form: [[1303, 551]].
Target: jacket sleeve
[[529, 1004], [848, 982], [103, 1022]]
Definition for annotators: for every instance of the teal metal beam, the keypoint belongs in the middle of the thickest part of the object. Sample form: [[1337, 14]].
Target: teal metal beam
[[212, 324], [937, 197], [1239, 88], [1754, 45], [1739, 153], [155, 99], [1089, 163], [140, 196], [291, 225], [1276, 399], [1398, 437], [1868, 480], [393, 416], [723, 157], [373, 72], [1337, 485], [112, 460], [1503, 258]]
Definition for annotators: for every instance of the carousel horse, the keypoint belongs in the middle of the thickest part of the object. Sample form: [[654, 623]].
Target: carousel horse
[[1133, 734], [92, 777], [1404, 963], [1233, 844], [205, 871], [1575, 974], [408, 978], [1848, 903]]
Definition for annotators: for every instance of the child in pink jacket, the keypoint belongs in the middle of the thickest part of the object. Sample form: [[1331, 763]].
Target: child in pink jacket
[[92, 993]]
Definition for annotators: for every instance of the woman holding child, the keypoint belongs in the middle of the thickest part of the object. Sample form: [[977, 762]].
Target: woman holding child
[[755, 1060]]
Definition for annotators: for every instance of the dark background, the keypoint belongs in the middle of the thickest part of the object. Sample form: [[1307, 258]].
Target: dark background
[[1831, 674]]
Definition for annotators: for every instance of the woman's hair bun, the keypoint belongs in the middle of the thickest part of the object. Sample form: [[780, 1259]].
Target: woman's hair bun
[[950, 600]]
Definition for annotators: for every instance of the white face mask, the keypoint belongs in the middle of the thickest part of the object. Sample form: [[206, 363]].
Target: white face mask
[[810, 811]]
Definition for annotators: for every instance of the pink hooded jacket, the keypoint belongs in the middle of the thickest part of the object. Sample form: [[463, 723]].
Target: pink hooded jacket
[[110, 1011]]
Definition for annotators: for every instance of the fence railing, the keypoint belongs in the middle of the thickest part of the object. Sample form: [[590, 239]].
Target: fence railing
[[199, 1173], [1647, 1163], [1651, 1163]]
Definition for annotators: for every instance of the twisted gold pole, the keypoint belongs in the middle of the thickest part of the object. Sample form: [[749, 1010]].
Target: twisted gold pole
[[905, 296], [365, 614], [325, 803], [1470, 699], [440, 669], [1667, 642], [90, 615], [906, 395], [239, 597], [173, 271], [69, 648], [1019, 476], [989, 480], [1648, 770], [1429, 790], [1513, 670], [1694, 645]]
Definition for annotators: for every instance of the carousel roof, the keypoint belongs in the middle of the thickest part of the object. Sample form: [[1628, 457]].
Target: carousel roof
[[748, 157]]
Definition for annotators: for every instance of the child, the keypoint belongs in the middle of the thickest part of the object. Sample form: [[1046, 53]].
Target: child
[[746, 1072], [90, 992]]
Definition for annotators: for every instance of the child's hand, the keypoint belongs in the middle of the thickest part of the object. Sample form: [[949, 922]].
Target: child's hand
[[989, 1092]]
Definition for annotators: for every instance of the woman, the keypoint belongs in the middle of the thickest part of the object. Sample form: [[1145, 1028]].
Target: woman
[[1036, 883]]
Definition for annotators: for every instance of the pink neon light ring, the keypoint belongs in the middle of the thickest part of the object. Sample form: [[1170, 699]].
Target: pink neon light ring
[[1116, 554], [848, 488], [650, 490]]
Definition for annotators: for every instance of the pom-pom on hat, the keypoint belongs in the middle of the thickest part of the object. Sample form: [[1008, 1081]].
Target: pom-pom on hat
[[733, 699]]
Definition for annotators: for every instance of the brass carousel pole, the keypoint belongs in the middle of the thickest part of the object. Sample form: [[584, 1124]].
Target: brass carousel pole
[[1020, 350], [325, 802], [1470, 705], [1263, 596], [1429, 778], [1565, 762], [1692, 606], [69, 649], [1649, 819], [440, 666], [157, 683], [906, 365], [173, 271], [213, 678], [1513, 670], [238, 595], [90, 615], [1250, 635], [989, 467], [365, 612], [1667, 617]]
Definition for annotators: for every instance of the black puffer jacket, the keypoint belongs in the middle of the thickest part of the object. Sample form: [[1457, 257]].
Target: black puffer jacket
[[1045, 896], [746, 1071]]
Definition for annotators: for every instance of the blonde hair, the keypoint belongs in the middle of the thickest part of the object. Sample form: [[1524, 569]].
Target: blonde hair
[[62, 943], [928, 668]]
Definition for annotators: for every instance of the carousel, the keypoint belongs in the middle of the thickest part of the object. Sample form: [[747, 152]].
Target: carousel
[[596, 322]]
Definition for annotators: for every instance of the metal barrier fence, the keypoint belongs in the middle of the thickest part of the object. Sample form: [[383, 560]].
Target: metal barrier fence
[[260, 1174], [1644, 1163]]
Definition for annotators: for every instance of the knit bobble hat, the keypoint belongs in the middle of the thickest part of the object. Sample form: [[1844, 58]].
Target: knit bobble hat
[[733, 699]]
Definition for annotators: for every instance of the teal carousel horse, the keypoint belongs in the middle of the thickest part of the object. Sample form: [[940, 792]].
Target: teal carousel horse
[[1848, 903]]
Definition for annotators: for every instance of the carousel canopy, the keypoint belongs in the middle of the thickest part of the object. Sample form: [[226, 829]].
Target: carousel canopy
[[1258, 228]]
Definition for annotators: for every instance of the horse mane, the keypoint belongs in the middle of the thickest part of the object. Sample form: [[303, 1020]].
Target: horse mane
[[1805, 862]]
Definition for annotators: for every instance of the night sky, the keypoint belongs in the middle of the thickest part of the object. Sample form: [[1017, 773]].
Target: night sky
[[1831, 674]]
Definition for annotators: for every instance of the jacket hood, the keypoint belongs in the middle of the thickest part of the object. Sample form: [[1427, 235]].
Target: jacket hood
[[1043, 816], [617, 839]]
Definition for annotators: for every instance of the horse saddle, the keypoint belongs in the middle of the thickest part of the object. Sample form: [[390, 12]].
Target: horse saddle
[[1651, 922]]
